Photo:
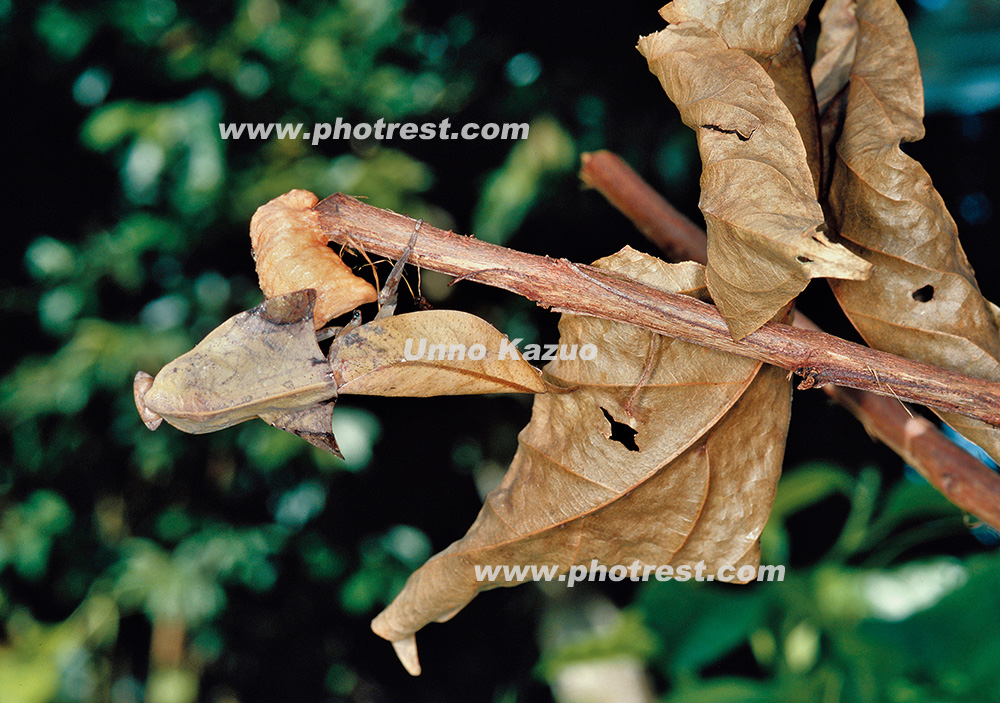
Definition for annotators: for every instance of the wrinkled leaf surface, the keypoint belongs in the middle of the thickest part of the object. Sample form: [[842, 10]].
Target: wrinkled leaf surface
[[758, 27], [793, 84], [291, 253], [697, 484], [264, 362], [765, 226]]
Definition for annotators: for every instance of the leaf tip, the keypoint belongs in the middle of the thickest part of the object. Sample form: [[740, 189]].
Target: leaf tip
[[406, 650], [827, 259]]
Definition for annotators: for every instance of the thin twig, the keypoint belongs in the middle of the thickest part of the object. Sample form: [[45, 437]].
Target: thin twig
[[963, 479]]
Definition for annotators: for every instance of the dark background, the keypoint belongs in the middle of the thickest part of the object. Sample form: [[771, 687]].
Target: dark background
[[126, 220]]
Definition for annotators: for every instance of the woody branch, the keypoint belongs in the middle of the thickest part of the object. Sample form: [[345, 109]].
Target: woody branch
[[584, 290]]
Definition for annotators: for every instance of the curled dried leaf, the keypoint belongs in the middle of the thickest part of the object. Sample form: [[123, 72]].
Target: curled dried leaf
[[831, 72], [291, 253], [759, 30], [432, 352], [835, 49], [765, 226], [922, 300], [693, 482]]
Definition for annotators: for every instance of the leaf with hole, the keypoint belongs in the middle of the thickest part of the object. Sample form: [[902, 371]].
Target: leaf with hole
[[660, 455], [922, 300]]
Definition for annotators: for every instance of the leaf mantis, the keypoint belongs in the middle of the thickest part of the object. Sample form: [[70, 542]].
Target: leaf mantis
[[264, 362]]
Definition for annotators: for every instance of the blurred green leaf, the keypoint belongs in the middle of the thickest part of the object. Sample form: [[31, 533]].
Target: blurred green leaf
[[698, 623], [906, 502], [28, 530], [628, 637], [807, 485], [53, 663], [386, 562], [511, 190], [951, 648], [65, 32]]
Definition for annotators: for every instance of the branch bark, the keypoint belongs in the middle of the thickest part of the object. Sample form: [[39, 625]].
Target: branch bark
[[959, 476], [584, 290]]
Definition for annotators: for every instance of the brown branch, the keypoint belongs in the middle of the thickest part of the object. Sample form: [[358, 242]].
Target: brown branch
[[963, 479], [584, 290]]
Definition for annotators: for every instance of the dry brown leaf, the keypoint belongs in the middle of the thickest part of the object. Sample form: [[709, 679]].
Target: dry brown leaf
[[922, 300], [759, 28], [793, 84], [831, 71], [698, 487], [261, 363], [835, 49], [831, 124], [765, 226], [427, 353], [291, 253]]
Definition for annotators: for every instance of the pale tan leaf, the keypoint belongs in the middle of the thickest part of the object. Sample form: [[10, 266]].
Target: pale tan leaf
[[428, 353], [406, 651], [765, 226], [835, 49], [291, 253], [263, 362], [922, 300], [697, 486], [758, 27], [793, 84]]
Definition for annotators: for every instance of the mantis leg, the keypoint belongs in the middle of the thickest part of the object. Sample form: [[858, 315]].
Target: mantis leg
[[386, 300], [387, 296], [338, 337]]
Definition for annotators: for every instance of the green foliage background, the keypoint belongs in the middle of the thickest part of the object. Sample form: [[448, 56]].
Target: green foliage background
[[126, 218]]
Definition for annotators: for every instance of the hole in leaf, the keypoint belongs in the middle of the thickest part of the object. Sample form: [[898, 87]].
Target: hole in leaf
[[803, 259], [923, 295], [621, 433], [739, 135]]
